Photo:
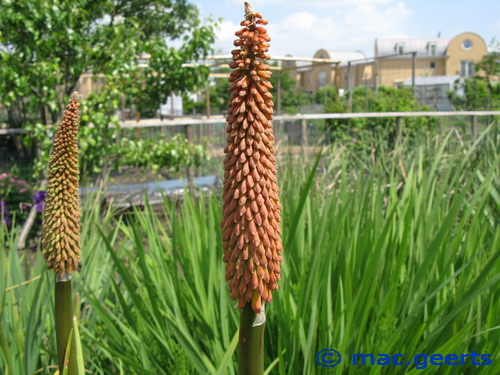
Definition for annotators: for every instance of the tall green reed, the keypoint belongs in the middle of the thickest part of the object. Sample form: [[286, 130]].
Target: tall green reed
[[395, 253]]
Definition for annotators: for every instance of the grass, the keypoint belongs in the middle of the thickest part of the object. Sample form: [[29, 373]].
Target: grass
[[385, 252]]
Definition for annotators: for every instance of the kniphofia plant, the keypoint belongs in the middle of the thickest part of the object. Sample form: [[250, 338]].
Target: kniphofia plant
[[251, 216], [61, 226]]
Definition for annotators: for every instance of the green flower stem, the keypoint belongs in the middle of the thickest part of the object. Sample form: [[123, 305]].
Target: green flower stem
[[251, 351], [64, 324]]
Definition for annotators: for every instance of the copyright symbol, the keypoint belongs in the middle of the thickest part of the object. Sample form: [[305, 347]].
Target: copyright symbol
[[328, 358]]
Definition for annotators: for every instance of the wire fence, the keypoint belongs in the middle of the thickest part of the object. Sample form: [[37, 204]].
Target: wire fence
[[303, 130], [293, 134]]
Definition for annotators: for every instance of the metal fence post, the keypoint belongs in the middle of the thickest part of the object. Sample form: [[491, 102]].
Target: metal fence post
[[473, 125], [350, 85], [208, 110], [188, 130], [413, 71], [137, 119], [277, 124], [278, 91], [399, 131], [304, 135]]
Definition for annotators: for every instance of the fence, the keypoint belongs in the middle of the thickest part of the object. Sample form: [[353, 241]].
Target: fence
[[188, 123], [285, 125], [296, 131]]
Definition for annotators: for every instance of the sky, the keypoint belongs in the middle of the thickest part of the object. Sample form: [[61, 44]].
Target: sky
[[301, 27]]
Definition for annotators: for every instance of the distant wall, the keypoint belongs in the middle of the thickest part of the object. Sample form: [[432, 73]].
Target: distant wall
[[457, 51]]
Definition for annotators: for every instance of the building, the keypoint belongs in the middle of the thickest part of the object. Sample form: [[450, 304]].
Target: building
[[89, 83], [433, 91], [333, 74], [298, 70], [393, 61]]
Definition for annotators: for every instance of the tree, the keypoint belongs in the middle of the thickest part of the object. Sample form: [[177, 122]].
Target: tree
[[476, 94], [219, 95], [292, 96], [46, 46], [489, 66], [481, 91], [388, 99], [326, 95]]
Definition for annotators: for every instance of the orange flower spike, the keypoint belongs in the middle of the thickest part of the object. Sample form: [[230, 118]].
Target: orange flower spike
[[61, 215], [251, 214]]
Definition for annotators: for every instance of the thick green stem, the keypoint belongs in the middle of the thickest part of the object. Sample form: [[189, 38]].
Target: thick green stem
[[64, 324], [251, 359]]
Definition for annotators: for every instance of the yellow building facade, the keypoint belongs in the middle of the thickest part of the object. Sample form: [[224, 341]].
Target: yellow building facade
[[394, 61], [463, 50], [392, 64]]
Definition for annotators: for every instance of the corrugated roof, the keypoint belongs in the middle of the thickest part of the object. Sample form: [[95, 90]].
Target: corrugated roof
[[385, 47]]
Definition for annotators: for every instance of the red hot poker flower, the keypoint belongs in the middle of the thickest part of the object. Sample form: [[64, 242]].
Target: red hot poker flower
[[251, 218]]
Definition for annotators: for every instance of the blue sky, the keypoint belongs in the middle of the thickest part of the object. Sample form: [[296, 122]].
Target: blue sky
[[301, 27]]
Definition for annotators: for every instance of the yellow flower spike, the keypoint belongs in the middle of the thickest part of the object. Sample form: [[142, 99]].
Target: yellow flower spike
[[60, 241]]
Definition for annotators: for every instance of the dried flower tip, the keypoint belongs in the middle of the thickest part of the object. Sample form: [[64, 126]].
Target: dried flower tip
[[249, 12]]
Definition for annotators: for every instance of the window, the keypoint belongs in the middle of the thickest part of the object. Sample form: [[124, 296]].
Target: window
[[321, 79], [432, 48], [433, 65], [399, 48], [467, 44], [466, 68]]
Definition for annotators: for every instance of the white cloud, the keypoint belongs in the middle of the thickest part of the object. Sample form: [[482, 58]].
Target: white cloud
[[333, 25], [225, 36]]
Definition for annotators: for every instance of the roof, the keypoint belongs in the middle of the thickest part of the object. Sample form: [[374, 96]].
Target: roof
[[345, 56], [432, 80], [298, 65], [386, 47], [303, 66]]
